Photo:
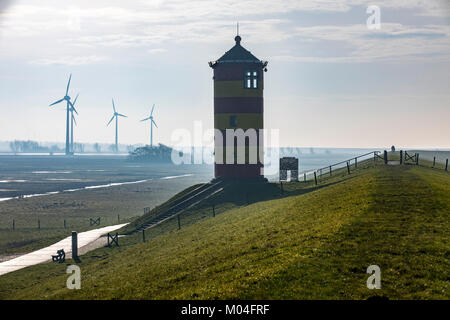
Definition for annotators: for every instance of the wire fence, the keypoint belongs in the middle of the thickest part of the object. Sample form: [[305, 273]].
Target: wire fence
[[51, 222], [350, 164], [315, 176], [438, 160], [392, 157]]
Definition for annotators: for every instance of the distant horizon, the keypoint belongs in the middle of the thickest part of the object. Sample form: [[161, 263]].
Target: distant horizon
[[123, 145]]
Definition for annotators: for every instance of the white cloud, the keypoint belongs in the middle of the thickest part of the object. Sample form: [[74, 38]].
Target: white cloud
[[394, 42], [93, 29], [29, 19], [70, 60], [156, 50]]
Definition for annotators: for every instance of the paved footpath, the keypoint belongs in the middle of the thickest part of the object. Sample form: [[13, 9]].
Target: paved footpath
[[44, 255]]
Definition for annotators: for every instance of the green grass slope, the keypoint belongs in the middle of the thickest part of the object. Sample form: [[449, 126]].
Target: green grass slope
[[314, 243]]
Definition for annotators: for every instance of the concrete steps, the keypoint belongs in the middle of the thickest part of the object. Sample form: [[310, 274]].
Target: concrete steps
[[187, 201]]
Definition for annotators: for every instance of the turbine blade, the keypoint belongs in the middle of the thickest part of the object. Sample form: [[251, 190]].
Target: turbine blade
[[145, 119], [154, 123], [114, 106], [72, 107], [122, 115], [74, 120], [110, 120], [151, 113], [75, 101], [57, 102], [68, 84]]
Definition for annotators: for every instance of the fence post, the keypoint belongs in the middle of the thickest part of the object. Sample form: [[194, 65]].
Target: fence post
[[214, 210], [401, 156], [330, 170], [39, 224], [179, 222], [14, 224], [356, 162], [75, 245], [143, 235], [385, 157], [304, 177], [417, 159], [434, 161], [281, 185], [348, 168], [65, 224], [315, 178], [446, 165]]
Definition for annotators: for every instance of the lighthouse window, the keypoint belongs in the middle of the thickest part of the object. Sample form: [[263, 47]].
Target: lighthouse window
[[251, 80]]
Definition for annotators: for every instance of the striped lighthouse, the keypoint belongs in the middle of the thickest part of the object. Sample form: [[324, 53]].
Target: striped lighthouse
[[238, 113]]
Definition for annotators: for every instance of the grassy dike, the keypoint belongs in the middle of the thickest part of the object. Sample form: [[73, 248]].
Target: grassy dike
[[307, 243]]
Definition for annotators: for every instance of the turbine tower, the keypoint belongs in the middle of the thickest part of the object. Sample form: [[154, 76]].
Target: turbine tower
[[116, 115], [152, 122], [72, 122], [69, 104]]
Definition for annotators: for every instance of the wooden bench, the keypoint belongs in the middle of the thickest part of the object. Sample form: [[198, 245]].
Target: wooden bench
[[60, 256]]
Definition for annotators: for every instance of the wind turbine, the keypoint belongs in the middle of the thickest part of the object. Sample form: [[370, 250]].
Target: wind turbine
[[69, 104], [116, 115], [72, 122], [152, 122]]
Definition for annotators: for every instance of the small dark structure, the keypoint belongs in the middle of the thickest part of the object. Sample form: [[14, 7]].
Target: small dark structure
[[75, 246], [113, 239], [161, 153], [94, 222], [60, 256], [291, 164], [393, 149]]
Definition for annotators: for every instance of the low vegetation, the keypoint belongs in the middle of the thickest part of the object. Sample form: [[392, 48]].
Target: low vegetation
[[113, 205], [305, 242]]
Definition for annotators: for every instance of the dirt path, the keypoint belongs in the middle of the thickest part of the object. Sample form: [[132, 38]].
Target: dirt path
[[87, 241], [100, 242], [9, 256]]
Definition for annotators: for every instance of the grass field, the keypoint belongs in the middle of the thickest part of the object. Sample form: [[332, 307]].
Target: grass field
[[28, 175], [309, 242]]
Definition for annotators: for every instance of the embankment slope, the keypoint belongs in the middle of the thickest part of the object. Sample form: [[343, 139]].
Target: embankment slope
[[312, 245]]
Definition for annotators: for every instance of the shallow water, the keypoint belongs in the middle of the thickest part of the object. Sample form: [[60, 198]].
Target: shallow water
[[35, 176], [109, 185]]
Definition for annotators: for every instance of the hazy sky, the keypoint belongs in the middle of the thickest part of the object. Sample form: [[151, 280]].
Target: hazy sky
[[331, 82]]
